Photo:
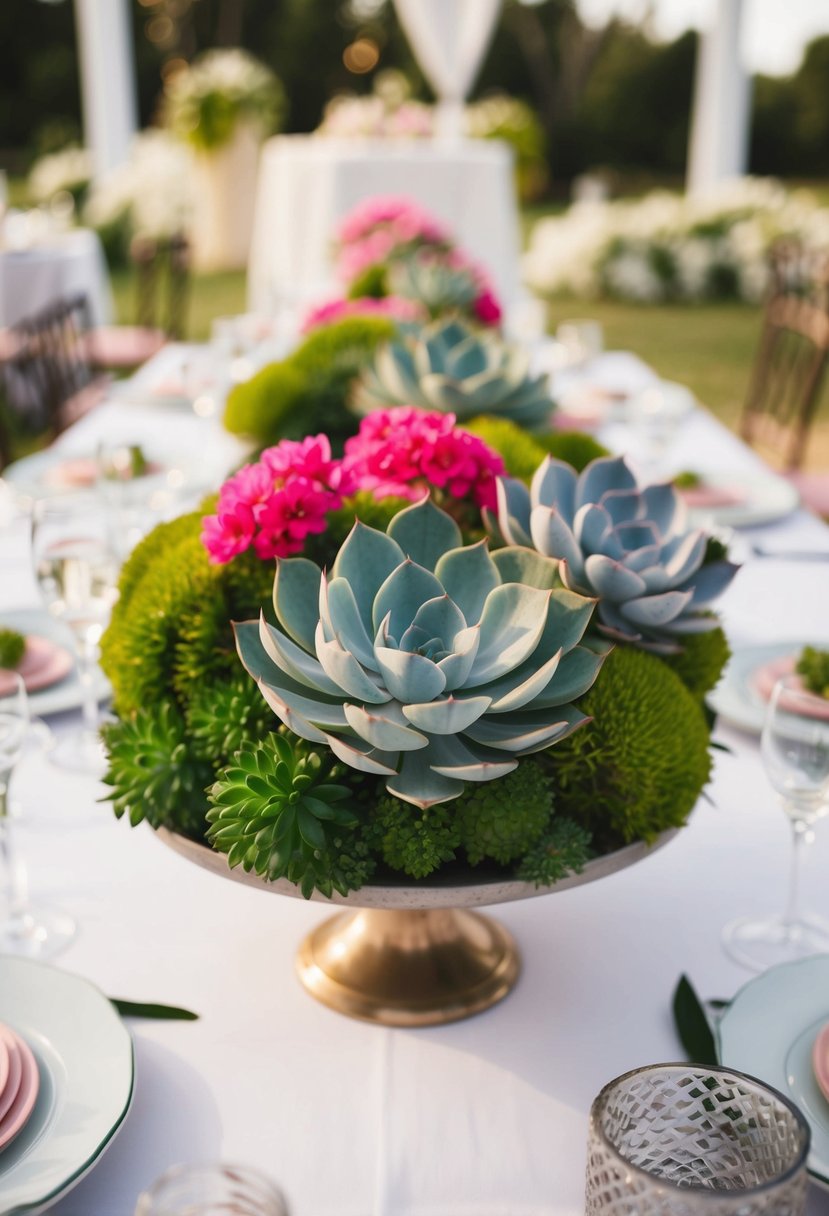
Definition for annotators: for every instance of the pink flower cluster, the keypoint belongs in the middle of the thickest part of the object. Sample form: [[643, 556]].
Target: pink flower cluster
[[274, 504], [386, 228], [405, 451], [394, 307]]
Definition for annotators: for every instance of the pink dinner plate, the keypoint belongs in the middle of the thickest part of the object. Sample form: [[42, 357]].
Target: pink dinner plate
[[766, 676], [76, 473], [820, 1060], [44, 663], [15, 1072], [706, 496], [23, 1104], [4, 1067]]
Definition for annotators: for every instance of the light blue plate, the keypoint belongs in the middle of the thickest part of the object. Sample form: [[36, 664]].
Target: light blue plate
[[85, 1059], [735, 698], [768, 1031]]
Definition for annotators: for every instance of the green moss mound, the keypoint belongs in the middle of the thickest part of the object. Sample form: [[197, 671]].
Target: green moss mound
[[501, 819], [573, 447], [702, 660], [640, 765], [308, 392], [170, 632], [522, 453]]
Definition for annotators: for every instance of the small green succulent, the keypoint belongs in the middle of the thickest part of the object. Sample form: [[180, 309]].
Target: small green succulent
[[433, 282], [152, 772], [12, 647], [277, 811], [563, 850], [452, 368], [422, 660]]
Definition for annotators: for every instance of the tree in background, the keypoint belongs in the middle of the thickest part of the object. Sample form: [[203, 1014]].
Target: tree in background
[[608, 98]]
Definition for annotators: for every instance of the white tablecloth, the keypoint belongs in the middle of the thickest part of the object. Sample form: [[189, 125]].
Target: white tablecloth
[[481, 1118], [306, 184], [59, 266]]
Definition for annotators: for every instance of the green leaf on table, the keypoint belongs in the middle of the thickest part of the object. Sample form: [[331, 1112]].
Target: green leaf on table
[[692, 1024], [141, 1009]]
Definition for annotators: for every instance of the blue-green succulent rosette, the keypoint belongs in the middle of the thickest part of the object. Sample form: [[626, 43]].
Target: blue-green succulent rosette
[[628, 546], [422, 660]]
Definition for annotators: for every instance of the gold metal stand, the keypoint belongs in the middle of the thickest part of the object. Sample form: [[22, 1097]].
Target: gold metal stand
[[409, 968]]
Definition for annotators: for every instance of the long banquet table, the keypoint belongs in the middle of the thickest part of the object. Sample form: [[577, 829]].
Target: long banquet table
[[485, 1117]]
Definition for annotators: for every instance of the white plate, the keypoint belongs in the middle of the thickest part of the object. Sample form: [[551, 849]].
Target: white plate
[[30, 474], [85, 1059], [735, 698], [767, 498], [67, 693], [768, 1031]]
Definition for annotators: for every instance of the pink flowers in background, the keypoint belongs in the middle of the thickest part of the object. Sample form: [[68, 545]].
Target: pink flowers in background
[[386, 232], [394, 213], [405, 451], [274, 504], [395, 307]]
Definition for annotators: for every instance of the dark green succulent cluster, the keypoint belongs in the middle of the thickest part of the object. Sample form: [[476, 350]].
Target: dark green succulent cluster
[[12, 646], [306, 392], [278, 809], [813, 666]]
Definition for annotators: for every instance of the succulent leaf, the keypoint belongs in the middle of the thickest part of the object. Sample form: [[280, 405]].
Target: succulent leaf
[[462, 674], [451, 367]]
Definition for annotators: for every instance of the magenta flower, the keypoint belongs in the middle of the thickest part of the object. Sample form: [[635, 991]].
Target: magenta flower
[[228, 533], [385, 209], [395, 307], [403, 451]]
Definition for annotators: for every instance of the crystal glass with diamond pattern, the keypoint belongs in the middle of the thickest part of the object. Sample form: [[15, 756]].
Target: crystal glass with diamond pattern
[[688, 1140]]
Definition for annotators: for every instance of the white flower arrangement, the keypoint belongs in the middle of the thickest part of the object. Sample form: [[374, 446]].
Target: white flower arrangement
[[670, 246], [69, 170], [150, 194], [204, 101]]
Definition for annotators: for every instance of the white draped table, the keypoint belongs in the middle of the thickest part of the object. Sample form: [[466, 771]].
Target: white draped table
[[481, 1118], [308, 183], [62, 265]]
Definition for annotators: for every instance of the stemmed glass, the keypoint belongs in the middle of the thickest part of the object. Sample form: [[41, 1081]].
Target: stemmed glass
[[212, 1190], [795, 750], [77, 570], [27, 929]]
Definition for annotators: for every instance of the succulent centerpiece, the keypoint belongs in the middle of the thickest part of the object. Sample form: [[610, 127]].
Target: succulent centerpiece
[[468, 661]]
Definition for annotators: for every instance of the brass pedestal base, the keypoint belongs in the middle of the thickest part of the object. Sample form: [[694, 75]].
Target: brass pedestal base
[[409, 968]]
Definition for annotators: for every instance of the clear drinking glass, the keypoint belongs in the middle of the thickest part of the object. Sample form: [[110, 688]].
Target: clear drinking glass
[[795, 750], [25, 928], [212, 1190], [77, 570], [581, 340], [688, 1140]]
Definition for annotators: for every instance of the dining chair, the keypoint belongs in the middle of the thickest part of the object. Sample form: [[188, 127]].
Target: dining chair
[[162, 272], [47, 379], [790, 367]]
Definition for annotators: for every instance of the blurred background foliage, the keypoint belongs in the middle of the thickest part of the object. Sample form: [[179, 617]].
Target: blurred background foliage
[[609, 98]]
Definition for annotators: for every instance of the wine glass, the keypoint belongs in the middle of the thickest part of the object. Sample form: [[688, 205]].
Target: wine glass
[[27, 928], [210, 1190], [77, 570], [795, 750]]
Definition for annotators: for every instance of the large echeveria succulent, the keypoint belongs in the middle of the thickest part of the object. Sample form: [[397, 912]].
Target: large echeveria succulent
[[455, 369], [423, 660], [629, 547]]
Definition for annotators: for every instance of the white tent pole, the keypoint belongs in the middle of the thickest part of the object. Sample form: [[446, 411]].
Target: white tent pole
[[720, 117], [107, 80]]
